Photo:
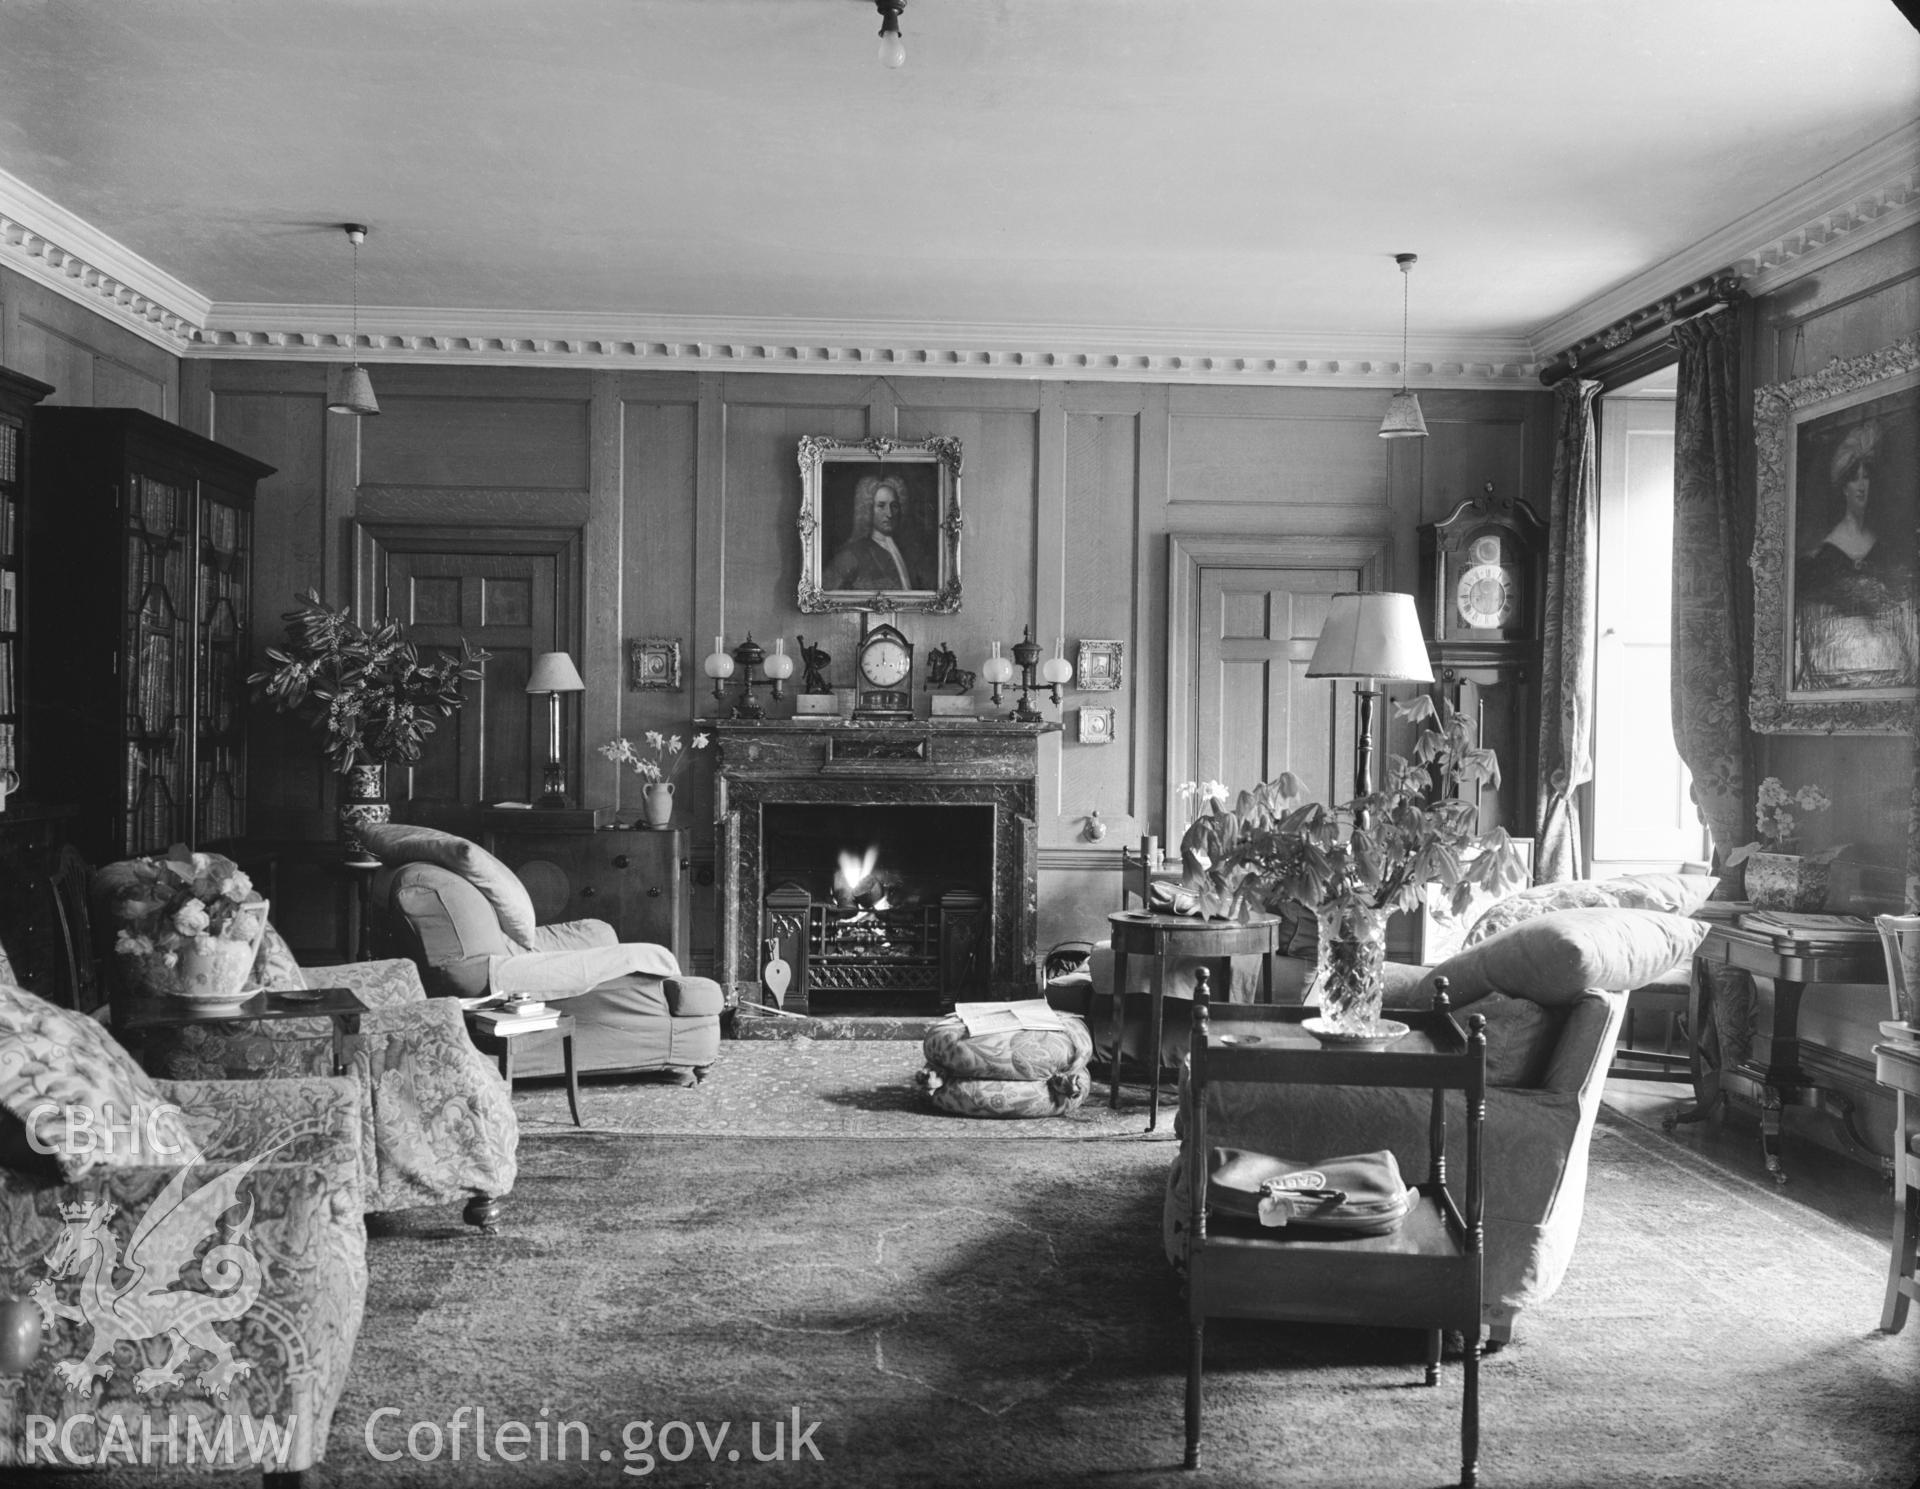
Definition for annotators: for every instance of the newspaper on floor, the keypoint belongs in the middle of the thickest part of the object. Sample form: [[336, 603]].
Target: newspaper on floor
[[1005, 1018]]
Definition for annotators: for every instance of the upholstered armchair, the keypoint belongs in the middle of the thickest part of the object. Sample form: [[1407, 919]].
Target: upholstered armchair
[[272, 1169], [437, 1122], [1553, 990], [468, 923]]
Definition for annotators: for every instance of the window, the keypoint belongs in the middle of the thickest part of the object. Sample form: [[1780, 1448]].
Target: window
[[1642, 815]]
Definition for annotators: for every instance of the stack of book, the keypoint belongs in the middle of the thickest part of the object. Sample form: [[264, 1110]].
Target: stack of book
[[497, 1016], [1831, 930]]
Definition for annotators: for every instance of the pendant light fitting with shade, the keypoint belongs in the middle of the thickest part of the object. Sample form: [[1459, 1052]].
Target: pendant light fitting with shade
[[1404, 419], [356, 396]]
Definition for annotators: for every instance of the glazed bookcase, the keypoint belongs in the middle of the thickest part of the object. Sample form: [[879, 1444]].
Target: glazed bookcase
[[138, 673]]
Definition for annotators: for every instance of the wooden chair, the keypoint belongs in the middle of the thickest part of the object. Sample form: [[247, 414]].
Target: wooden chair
[[1425, 1275], [1897, 1064], [1666, 998]]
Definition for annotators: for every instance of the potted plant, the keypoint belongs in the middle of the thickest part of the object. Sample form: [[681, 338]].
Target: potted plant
[[1352, 866], [1779, 877], [367, 693], [658, 762]]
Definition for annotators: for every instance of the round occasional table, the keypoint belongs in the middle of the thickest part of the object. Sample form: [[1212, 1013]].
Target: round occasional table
[[1139, 933]]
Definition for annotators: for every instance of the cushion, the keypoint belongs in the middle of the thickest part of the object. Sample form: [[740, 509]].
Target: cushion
[[1554, 958], [1013, 1055], [1053, 1097], [79, 1094], [392, 842], [1680, 894]]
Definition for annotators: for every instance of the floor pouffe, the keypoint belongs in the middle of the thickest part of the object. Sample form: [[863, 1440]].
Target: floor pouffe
[[1016, 1073]]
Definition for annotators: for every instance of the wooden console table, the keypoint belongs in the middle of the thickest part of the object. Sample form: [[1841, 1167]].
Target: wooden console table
[[1783, 968]]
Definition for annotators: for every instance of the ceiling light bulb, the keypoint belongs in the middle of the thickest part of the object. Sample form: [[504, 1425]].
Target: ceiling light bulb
[[893, 47]]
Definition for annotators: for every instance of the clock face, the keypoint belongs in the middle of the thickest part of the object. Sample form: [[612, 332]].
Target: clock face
[[885, 662], [1488, 595]]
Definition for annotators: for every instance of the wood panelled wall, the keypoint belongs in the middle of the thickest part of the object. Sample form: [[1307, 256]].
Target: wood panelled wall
[[1859, 304], [91, 362], [686, 488]]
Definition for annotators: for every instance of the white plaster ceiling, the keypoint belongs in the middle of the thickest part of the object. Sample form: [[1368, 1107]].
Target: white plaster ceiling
[[1227, 170]]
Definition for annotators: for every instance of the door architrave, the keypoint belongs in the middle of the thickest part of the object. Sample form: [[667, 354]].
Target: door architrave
[[1188, 554]]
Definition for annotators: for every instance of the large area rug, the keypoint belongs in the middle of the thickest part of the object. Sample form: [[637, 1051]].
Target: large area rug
[[973, 1303]]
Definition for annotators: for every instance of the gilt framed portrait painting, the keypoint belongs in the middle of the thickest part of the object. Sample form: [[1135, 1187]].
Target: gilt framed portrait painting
[[879, 524], [1836, 626]]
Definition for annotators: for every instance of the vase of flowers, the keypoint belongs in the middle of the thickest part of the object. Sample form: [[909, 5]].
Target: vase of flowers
[[189, 925], [1779, 876], [368, 695], [1352, 866], [657, 760]]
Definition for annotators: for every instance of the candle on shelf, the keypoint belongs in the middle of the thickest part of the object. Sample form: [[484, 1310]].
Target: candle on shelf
[[779, 666], [718, 664], [996, 669]]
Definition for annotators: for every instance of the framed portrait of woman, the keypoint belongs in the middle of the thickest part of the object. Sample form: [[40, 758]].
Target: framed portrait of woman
[[1836, 627], [880, 524]]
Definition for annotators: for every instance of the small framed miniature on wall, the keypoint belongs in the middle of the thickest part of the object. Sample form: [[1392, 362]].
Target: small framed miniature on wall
[[880, 524], [653, 665], [1098, 669], [1095, 725]]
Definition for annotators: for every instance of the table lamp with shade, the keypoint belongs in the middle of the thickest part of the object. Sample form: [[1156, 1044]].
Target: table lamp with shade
[[1371, 637], [554, 674]]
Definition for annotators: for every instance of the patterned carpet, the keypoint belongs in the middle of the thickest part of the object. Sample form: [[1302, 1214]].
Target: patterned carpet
[[813, 1088], [985, 1303]]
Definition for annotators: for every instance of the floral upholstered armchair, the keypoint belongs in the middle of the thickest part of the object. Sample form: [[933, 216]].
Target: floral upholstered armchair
[[437, 1122], [236, 1358]]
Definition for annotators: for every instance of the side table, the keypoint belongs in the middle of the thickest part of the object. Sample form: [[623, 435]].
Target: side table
[[500, 1046], [134, 1016], [1427, 1275], [1784, 969], [1141, 933], [1896, 1065]]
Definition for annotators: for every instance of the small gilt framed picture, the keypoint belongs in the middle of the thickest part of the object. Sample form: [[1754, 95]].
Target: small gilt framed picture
[[653, 665], [1095, 725], [1098, 667]]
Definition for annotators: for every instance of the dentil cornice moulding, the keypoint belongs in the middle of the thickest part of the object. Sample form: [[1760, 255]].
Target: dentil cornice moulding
[[535, 339]]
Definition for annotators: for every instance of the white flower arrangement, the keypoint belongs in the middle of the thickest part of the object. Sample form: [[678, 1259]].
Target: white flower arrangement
[[662, 757], [184, 900]]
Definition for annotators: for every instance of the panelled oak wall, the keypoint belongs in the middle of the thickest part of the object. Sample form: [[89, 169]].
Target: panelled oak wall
[[1858, 304], [91, 362], [686, 489]]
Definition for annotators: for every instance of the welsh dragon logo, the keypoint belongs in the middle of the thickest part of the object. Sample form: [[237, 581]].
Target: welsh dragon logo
[[152, 1302]]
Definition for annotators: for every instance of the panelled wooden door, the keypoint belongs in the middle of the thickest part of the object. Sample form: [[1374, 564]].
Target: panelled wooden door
[[514, 606], [1256, 713]]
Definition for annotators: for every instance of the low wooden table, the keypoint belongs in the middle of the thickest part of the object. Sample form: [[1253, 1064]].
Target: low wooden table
[[1140, 933], [500, 1046], [134, 1015], [1783, 969]]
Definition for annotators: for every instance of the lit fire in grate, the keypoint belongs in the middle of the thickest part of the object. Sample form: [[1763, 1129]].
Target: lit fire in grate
[[856, 885]]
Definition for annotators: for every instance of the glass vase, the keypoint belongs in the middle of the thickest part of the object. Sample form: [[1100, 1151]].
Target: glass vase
[[1348, 979]]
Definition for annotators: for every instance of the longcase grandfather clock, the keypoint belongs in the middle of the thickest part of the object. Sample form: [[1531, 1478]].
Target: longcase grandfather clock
[[1483, 573]]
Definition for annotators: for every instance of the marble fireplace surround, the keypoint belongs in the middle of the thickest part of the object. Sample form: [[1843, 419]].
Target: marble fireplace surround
[[926, 762]]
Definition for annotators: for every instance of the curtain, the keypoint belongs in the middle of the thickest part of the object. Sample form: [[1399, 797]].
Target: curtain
[[1713, 621], [1712, 625], [1566, 664]]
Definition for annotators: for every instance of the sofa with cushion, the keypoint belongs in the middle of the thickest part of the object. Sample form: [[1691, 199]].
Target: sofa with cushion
[[268, 1170], [465, 919], [437, 1122], [1553, 990]]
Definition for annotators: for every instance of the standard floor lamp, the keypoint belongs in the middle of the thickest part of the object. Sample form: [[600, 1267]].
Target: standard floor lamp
[[554, 674], [1371, 637]]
